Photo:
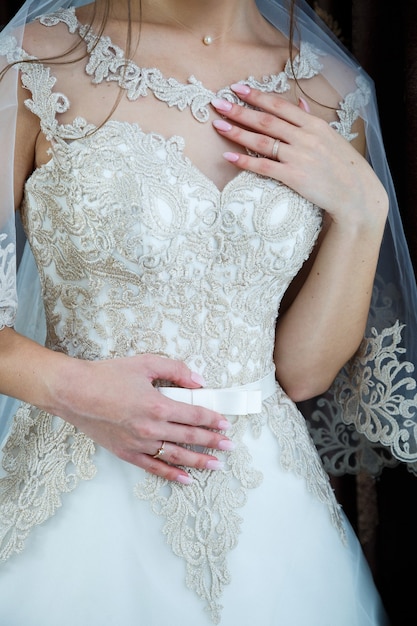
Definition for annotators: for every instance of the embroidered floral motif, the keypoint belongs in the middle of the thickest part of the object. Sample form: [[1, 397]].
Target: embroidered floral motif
[[202, 522], [350, 108], [367, 419], [373, 400], [43, 457], [107, 62], [306, 64]]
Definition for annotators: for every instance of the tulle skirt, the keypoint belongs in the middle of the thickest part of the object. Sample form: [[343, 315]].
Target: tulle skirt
[[102, 560]]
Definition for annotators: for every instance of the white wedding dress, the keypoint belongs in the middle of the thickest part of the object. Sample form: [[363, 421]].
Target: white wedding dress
[[138, 251]]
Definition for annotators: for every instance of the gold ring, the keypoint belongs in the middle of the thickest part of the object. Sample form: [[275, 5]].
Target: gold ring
[[275, 149], [160, 451]]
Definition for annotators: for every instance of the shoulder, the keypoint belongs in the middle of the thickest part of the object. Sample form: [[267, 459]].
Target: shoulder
[[329, 83], [52, 36], [337, 92]]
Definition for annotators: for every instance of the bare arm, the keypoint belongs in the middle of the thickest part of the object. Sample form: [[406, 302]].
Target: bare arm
[[324, 323], [114, 402]]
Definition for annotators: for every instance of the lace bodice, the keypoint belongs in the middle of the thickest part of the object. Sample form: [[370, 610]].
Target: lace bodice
[[140, 252]]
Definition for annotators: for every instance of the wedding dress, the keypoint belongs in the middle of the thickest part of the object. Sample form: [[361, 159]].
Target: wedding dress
[[138, 251]]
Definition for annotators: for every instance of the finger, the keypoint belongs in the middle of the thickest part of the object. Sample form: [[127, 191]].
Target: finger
[[303, 104], [195, 436], [147, 431], [179, 455], [264, 123], [275, 104], [170, 420], [258, 165], [170, 369], [165, 410], [270, 147], [264, 111], [154, 466]]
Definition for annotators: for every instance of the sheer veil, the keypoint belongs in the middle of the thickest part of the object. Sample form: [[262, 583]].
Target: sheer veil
[[368, 419]]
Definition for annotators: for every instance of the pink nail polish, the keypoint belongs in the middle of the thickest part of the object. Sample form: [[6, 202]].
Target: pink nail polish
[[224, 425], [242, 90], [226, 444], [184, 480], [231, 156], [222, 125], [221, 105], [196, 378], [305, 105], [214, 465]]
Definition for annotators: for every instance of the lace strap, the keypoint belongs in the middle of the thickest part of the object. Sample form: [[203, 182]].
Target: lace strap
[[36, 77], [350, 107]]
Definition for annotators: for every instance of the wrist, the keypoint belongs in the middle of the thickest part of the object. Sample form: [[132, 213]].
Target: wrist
[[65, 384], [361, 226], [31, 372], [366, 217]]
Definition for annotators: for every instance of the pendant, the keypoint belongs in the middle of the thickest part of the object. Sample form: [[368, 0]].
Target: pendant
[[207, 40]]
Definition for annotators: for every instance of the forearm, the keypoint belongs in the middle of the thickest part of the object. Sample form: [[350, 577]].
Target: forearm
[[30, 372], [325, 324], [114, 403]]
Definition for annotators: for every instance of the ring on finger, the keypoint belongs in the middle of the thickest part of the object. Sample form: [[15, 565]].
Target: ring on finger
[[275, 148], [160, 452]]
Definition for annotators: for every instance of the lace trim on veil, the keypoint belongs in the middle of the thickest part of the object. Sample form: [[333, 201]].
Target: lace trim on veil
[[7, 282]]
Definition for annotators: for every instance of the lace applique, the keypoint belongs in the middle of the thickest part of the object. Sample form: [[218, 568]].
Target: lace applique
[[43, 457], [67, 16], [107, 62], [202, 522], [298, 454], [372, 401], [343, 450], [306, 64], [349, 108], [7, 282], [369, 390], [44, 102]]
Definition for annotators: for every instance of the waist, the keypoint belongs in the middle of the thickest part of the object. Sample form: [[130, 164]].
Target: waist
[[238, 400]]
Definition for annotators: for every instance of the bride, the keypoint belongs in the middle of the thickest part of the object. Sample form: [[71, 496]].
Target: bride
[[206, 229]]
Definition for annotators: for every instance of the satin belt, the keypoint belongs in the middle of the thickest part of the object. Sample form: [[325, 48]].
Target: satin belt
[[239, 400]]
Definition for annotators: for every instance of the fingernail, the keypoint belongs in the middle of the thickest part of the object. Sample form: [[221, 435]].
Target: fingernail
[[196, 378], [305, 104], [214, 465], [221, 105], [231, 156], [243, 90], [224, 425], [226, 444], [222, 125], [184, 480]]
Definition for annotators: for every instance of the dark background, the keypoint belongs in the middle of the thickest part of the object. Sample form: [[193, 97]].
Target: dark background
[[383, 37]]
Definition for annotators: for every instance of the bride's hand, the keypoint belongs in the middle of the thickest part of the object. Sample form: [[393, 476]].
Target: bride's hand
[[303, 152], [115, 403]]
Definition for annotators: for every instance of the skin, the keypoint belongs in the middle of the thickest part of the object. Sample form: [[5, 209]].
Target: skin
[[324, 312]]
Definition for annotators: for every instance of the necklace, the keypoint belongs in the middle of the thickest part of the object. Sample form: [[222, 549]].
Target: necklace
[[207, 40]]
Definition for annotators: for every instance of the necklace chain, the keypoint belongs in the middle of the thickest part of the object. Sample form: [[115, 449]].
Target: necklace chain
[[207, 39]]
